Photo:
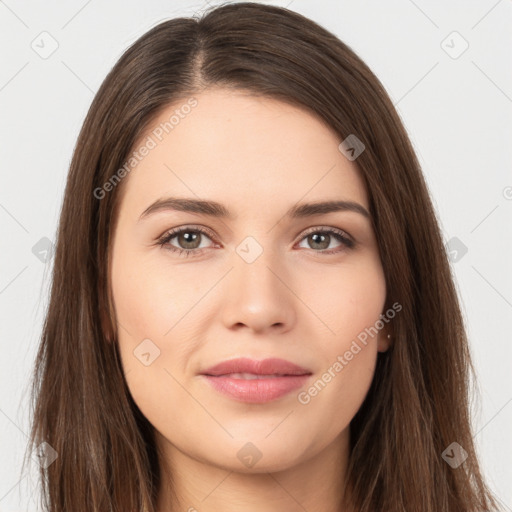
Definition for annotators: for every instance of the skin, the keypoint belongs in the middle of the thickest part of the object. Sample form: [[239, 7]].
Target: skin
[[258, 157]]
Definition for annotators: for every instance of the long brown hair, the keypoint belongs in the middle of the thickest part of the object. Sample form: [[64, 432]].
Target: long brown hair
[[419, 400]]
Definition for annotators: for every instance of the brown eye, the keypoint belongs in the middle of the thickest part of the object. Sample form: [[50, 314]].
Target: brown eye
[[320, 240], [188, 240]]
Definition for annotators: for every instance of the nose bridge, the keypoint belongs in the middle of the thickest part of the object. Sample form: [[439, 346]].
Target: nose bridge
[[255, 267], [258, 297]]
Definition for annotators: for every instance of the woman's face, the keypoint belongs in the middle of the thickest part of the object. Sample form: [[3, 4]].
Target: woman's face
[[258, 283]]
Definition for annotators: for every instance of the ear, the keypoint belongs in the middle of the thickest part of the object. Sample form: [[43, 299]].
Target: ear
[[385, 340], [106, 326], [107, 316]]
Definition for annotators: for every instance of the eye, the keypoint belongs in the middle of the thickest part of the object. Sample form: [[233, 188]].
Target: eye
[[189, 240], [321, 238], [188, 237]]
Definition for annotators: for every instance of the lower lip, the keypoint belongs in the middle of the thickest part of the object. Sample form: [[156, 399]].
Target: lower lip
[[256, 391]]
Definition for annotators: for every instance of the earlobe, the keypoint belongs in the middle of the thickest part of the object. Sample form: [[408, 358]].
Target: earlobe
[[107, 334], [107, 318], [384, 342], [106, 326]]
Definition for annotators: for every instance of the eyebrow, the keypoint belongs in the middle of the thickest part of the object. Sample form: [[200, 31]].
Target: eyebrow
[[215, 209]]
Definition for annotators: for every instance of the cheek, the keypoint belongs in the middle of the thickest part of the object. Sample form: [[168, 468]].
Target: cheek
[[345, 299], [350, 308], [140, 310], [154, 306], [342, 383], [333, 399], [146, 308], [149, 296]]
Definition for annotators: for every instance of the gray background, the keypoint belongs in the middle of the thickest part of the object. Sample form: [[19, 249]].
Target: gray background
[[456, 103]]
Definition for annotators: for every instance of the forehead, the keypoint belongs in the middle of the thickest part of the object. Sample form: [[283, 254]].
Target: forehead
[[251, 151]]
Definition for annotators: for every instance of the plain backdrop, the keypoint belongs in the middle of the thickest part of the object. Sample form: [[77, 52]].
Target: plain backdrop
[[446, 65]]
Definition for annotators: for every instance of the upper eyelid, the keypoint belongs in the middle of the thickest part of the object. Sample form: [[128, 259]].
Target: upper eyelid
[[320, 228], [175, 231]]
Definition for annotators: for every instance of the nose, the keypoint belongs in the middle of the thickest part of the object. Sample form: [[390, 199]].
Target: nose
[[259, 296]]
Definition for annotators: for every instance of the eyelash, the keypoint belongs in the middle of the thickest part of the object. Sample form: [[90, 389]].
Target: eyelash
[[167, 237]]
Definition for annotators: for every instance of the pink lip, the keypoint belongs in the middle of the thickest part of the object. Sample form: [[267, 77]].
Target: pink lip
[[265, 367], [288, 377]]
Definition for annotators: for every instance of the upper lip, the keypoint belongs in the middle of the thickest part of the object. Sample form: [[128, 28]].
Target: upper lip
[[272, 366]]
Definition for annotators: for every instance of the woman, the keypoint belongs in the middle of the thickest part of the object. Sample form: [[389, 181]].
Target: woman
[[201, 351]]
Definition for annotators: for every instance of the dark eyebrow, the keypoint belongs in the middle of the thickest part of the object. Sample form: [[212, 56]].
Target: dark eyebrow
[[319, 208], [215, 209]]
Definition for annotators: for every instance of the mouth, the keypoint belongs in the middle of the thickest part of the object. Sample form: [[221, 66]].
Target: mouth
[[250, 381], [250, 376]]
